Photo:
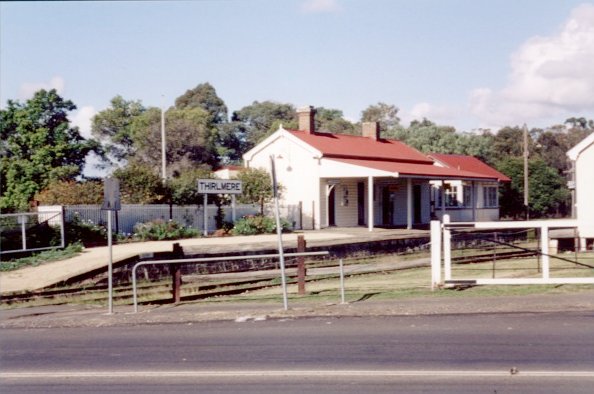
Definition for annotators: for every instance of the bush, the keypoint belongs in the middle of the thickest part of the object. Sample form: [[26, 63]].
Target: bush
[[85, 232], [158, 230], [252, 225]]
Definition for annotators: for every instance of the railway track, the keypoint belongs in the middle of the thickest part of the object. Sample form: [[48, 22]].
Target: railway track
[[195, 287]]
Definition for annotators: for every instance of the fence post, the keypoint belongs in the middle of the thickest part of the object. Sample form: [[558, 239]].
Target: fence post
[[435, 253], [544, 241], [175, 270], [301, 270]]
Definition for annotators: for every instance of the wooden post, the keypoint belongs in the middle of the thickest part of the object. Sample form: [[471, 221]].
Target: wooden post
[[301, 270], [175, 270]]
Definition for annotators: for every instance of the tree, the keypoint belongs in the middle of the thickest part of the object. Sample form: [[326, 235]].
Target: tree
[[204, 96], [71, 193], [38, 146], [190, 140], [333, 121], [139, 185], [547, 191], [259, 120], [184, 188], [257, 187], [113, 126], [385, 114]]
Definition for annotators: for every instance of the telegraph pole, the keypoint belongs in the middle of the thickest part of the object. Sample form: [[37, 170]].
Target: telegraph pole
[[526, 192], [163, 156]]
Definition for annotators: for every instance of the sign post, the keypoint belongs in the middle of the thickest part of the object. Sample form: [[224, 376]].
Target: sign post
[[111, 202], [218, 186]]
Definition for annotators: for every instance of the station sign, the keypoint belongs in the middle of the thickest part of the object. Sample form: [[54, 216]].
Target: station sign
[[219, 186]]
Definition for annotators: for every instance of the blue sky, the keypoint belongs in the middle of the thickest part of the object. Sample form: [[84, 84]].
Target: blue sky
[[466, 63]]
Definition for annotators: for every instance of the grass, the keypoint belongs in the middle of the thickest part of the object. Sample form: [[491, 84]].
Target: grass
[[387, 283], [42, 257]]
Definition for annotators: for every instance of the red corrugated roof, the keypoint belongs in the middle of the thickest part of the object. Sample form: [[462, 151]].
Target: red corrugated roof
[[471, 164], [353, 146], [415, 169]]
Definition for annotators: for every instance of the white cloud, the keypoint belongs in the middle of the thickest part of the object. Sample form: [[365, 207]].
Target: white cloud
[[550, 77], [28, 89], [440, 114], [82, 118], [320, 6]]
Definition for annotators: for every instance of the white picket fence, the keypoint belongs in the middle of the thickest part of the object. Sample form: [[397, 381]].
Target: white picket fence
[[187, 215]]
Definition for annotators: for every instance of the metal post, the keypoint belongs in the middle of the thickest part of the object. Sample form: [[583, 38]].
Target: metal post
[[233, 209], [205, 201], [279, 231], [409, 203], [370, 214], [526, 193], [342, 301], [110, 269]]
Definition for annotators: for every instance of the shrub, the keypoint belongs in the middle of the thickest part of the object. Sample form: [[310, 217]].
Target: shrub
[[258, 224], [85, 232], [158, 230]]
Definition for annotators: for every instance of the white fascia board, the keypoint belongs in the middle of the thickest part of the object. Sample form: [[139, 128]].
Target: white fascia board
[[574, 152], [337, 169], [280, 133]]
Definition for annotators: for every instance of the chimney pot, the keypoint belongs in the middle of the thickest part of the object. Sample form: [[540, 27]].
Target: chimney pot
[[306, 116], [371, 130]]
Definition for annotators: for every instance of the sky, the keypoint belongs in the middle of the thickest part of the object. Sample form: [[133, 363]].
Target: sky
[[470, 64]]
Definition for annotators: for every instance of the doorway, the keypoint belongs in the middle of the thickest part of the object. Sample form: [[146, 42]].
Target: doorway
[[361, 204], [417, 195], [387, 206], [331, 208]]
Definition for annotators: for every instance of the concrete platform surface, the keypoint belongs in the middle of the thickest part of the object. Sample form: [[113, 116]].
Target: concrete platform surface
[[48, 274]]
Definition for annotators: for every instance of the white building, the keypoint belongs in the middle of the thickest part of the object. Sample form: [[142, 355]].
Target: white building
[[582, 158], [346, 181]]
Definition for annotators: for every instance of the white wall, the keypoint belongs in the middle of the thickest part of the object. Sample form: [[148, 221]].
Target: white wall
[[584, 167], [297, 171]]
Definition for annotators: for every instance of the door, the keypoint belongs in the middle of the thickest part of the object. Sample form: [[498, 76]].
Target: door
[[387, 206], [331, 208], [417, 199], [361, 203]]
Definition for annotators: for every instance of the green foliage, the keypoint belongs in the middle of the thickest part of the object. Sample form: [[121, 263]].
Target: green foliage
[[139, 185], [385, 114], [257, 187], [190, 140], [113, 125], [262, 119], [38, 146], [71, 193], [184, 188], [42, 257], [548, 194], [259, 224], [332, 121], [85, 232], [204, 96], [158, 230]]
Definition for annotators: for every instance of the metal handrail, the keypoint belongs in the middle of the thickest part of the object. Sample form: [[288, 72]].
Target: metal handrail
[[210, 259]]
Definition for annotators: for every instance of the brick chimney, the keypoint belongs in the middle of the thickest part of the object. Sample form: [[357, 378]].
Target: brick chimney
[[371, 130], [306, 116]]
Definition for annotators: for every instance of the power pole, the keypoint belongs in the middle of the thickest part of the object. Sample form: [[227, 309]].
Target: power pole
[[163, 156], [526, 192]]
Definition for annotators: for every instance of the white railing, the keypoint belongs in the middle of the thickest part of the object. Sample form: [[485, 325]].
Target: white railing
[[441, 234]]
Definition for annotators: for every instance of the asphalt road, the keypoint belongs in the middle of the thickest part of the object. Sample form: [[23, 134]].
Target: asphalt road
[[552, 352]]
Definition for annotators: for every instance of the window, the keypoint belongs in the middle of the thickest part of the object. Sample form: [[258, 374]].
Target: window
[[490, 196], [467, 196]]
